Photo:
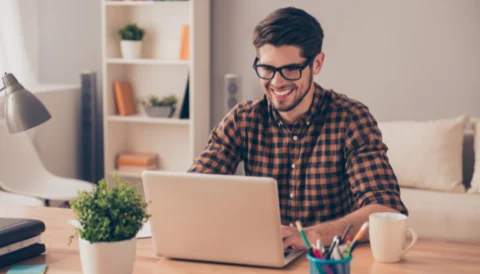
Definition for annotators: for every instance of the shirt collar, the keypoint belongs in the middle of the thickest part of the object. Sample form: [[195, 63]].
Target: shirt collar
[[307, 118]]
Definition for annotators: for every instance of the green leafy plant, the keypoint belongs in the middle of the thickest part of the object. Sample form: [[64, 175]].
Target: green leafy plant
[[131, 32], [109, 214], [167, 101]]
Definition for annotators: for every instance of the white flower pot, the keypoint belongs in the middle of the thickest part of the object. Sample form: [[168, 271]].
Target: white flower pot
[[108, 257], [131, 49]]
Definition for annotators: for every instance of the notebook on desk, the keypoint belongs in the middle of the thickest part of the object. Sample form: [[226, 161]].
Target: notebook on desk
[[20, 239], [219, 218]]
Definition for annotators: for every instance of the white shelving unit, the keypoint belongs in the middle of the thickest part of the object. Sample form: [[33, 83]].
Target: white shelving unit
[[159, 72]]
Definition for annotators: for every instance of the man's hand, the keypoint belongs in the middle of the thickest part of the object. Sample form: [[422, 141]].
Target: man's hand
[[291, 238]]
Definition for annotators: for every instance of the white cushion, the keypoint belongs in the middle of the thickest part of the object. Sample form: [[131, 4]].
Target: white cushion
[[475, 184], [426, 154]]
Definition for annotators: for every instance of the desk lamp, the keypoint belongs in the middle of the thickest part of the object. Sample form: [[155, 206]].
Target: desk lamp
[[22, 109]]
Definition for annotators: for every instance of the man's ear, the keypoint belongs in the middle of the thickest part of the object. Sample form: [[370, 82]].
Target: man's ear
[[318, 63]]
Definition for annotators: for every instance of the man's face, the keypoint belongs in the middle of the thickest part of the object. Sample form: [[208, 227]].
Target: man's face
[[284, 94]]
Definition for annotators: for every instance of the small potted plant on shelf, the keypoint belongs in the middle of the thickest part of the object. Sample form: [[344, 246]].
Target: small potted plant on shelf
[[131, 44], [154, 107], [109, 221]]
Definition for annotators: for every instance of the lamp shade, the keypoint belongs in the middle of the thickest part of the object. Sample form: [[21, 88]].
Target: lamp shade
[[22, 109]]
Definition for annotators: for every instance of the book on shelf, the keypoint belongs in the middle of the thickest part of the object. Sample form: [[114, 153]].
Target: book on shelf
[[137, 159], [136, 169], [136, 162], [185, 106], [185, 43], [124, 100]]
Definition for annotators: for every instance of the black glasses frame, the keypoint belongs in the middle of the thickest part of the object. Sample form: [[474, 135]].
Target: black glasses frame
[[274, 69]]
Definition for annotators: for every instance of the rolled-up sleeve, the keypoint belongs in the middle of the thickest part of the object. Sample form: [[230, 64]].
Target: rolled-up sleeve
[[371, 177], [223, 151]]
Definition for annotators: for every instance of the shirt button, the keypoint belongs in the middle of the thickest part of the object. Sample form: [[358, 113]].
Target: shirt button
[[291, 195], [293, 165], [308, 123], [295, 138]]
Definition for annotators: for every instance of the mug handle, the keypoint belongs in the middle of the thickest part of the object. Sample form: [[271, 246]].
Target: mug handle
[[414, 240]]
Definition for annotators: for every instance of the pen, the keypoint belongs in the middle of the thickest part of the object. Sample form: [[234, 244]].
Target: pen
[[320, 247], [347, 239], [302, 233], [317, 253], [347, 231], [332, 247]]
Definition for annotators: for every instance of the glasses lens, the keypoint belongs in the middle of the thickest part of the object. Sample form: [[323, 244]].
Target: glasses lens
[[265, 72], [291, 73]]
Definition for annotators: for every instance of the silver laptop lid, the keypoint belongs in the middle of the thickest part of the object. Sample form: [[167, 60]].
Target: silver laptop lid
[[221, 218]]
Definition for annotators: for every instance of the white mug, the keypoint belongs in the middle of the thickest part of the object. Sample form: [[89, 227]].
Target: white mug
[[388, 231]]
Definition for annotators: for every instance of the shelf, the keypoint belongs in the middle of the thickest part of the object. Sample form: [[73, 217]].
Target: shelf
[[140, 3], [146, 119], [121, 61], [158, 71]]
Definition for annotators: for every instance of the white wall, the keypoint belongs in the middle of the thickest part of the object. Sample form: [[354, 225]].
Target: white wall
[[69, 39], [404, 59], [29, 13]]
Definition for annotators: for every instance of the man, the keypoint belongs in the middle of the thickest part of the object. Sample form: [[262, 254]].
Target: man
[[324, 149]]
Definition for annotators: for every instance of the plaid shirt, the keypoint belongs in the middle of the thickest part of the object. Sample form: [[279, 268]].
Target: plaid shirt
[[331, 162]]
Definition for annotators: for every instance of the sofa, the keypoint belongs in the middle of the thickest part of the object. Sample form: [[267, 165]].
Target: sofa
[[448, 213]]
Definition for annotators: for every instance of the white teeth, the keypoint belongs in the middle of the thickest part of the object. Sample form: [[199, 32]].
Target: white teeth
[[282, 92]]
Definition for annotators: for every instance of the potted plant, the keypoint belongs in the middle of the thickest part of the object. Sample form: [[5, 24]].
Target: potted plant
[[131, 44], [109, 221], [154, 107]]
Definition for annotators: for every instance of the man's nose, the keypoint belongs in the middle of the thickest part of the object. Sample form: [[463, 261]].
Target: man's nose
[[278, 80]]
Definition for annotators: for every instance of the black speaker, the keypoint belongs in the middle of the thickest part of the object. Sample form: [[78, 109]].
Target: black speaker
[[88, 161], [232, 91]]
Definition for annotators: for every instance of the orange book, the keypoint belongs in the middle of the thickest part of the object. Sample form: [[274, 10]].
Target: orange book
[[137, 159], [136, 168], [185, 43], [124, 98]]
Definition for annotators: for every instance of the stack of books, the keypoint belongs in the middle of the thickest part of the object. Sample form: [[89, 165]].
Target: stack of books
[[20, 239], [136, 162]]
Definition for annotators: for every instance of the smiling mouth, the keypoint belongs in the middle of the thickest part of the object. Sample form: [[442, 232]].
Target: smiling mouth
[[282, 92]]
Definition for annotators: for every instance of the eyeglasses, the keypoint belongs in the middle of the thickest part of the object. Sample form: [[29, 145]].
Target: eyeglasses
[[289, 72]]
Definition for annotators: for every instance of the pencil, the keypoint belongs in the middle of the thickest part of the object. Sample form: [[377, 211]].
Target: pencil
[[360, 232], [358, 236], [302, 233]]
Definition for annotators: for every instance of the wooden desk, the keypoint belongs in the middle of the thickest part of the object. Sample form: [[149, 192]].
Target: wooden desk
[[426, 257]]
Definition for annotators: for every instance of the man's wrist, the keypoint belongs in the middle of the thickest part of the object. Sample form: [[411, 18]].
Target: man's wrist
[[324, 231]]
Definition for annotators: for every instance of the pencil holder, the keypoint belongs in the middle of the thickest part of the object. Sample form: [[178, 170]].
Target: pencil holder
[[318, 266]]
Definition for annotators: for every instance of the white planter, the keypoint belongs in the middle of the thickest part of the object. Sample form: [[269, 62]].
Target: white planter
[[108, 258], [131, 49], [159, 111]]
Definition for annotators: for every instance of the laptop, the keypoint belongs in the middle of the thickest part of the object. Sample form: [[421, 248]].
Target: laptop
[[216, 218]]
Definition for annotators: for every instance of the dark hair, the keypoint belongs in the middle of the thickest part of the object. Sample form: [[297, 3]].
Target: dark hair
[[290, 26]]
